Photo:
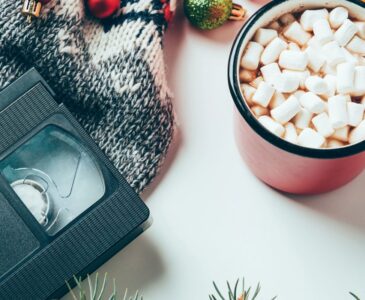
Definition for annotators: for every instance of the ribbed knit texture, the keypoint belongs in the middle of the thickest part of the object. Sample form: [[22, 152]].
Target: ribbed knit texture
[[110, 74]]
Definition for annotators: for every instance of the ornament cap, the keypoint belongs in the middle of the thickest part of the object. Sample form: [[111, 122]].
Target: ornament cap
[[31, 9], [238, 12]]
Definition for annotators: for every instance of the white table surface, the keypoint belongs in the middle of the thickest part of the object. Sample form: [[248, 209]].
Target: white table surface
[[213, 220]]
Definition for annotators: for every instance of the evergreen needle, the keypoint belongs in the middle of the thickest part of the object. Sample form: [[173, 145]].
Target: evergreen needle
[[96, 286], [230, 293], [102, 287], [90, 285], [256, 292], [71, 291], [217, 290], [235, 289], [353, 295]]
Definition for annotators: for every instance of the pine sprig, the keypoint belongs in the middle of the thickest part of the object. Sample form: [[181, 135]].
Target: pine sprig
[[97, 291], [234, 293]]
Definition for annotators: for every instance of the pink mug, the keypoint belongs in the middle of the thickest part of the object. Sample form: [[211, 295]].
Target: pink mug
[[282, 165]]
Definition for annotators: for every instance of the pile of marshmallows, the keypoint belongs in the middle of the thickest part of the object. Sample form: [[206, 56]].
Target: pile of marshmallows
[[303, 77]]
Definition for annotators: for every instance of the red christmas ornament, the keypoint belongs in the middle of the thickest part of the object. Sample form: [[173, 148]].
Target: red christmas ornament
[[168, 15], [103, 8]]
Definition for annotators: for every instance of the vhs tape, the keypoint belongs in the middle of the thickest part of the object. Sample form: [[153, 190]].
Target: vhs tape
[[64, 208]]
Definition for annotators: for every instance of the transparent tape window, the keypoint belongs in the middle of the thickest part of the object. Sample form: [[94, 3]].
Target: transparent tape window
[[55, 177]]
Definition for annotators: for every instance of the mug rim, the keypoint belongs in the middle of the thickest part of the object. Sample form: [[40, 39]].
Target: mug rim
[[245, 112]]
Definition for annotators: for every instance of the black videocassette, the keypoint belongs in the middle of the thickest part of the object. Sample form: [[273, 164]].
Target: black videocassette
[[64, 208]]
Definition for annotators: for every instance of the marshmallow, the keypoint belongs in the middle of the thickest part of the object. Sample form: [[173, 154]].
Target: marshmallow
[[277, 100], [315, 59], [360, 29], [270, 72], [294, 47], [263, 94], [251, 58], [332, 144], [299, 94], [331, 81], [323, 125], [293, 60], [346, 32], [345, 78], [286, 111], [322, 31], [300, 75], [328, 69], [287, 19], [316, 85], [333, 53], [350, 58], [286, 83], [264, 36], [247, 76], [347, 97], [248, 92], [314, 43], [312, 103], [337, 111], [355, 113], [357, 45], [342, 134], [273, 50], [303, 118], [290, 135], [359, 80], [294, 32], [256, 82], [259, 110], [357, 135], [310, 138], [337, 16], [274, 127], [310, 16], [361, 60]]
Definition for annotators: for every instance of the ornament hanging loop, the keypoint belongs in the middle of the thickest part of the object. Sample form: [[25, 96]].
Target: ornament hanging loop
[[238, 12]]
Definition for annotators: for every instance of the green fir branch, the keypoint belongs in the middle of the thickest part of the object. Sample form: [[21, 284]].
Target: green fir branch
[[234, 294], [97, 288], [97, 291]]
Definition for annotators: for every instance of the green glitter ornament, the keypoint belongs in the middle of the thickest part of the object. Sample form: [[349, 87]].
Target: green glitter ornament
[[210, 14]]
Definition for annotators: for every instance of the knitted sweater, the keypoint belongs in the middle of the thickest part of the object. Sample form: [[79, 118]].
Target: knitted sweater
[[109, 73]]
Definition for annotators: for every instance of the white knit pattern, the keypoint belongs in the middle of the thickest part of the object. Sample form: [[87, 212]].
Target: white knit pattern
[[110, 74]]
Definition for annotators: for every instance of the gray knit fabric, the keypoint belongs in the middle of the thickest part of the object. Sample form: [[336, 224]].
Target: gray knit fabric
[[110, 74]]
